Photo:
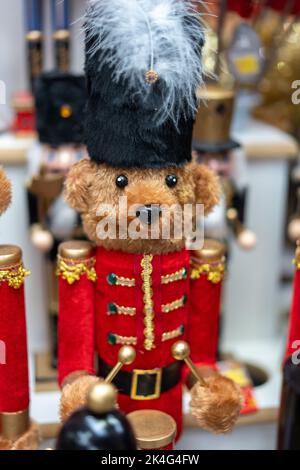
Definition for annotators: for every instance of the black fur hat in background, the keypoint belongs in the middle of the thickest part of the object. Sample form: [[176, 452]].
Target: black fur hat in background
[[143, 68], [60, 100]]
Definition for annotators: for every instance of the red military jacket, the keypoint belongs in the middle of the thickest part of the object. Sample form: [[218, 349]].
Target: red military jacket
[[149, 302]]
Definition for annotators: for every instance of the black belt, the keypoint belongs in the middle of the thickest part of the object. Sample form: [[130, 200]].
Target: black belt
[[144, 384]]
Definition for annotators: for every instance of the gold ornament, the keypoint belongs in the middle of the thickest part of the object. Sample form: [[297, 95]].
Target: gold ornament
[[296, 262], [72, 272], [102, 398], [215, 273], [114, 338], [13, 425], [126, 356], [151, 77], [181, 352], [14, 276]]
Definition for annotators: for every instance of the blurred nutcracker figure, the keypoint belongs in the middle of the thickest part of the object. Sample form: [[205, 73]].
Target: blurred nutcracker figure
[[16, 430], [289, 417], [60, 101], [60, 10], [214, 147], [23, 102]]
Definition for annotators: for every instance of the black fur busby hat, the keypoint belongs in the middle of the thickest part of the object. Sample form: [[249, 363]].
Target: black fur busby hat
[[60, 100], [143, 68]]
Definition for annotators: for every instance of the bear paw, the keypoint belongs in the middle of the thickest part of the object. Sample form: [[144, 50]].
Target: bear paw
[[217, 406], [74, 395]]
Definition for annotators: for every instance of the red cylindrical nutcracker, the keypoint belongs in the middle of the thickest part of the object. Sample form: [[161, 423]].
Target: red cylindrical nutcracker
[[289, 417], [76, 308], [207, 272], [16, 432]]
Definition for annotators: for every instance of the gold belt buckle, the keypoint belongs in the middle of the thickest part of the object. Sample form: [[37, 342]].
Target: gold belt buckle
[[134, 385]]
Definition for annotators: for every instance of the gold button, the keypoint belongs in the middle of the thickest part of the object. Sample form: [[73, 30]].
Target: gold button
[[66, 111]]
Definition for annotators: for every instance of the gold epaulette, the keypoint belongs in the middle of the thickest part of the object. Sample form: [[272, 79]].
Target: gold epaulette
[[76, 258], [209, 261], [296, 260], [12, 270]]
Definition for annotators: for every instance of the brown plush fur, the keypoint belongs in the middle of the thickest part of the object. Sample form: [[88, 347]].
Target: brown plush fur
[[5, 192], [74, 395], [28, 441], [5, 444], [89, 185], [217, 406]]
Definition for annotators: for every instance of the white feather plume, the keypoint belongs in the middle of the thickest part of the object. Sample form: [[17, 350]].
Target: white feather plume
[[134, 36]]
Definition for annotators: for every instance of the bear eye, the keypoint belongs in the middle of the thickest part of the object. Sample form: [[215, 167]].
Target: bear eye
[[171, 180], [121, 181]]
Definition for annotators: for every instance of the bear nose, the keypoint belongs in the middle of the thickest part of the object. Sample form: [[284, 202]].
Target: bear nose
[[149, 213]]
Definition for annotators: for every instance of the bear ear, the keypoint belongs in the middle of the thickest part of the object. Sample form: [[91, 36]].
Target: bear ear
[[5, 195], [77, 184], [208, 188]]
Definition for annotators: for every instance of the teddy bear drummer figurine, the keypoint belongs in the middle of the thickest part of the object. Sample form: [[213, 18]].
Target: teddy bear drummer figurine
[[139, 285]]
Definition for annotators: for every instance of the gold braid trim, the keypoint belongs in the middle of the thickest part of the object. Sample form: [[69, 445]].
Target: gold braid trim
[[125, 281], [166, 279], [296, 262], [126, 340], [215, 272], [14, 276], [166, 308], [147, 269], [114, 338], [131, 311], [172, 334], [177, 276], [71, 271]]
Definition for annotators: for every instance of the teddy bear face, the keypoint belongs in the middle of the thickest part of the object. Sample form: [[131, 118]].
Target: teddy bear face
[[136, 210], [5, 186]]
